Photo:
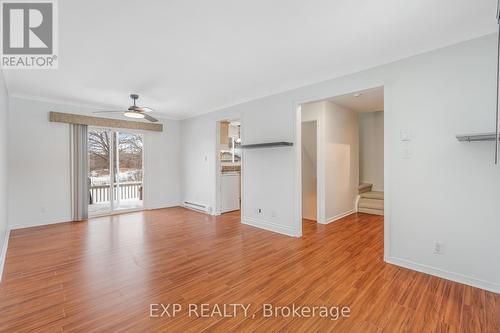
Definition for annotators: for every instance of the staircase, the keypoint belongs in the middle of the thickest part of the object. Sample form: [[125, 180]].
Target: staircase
[[370, 202]]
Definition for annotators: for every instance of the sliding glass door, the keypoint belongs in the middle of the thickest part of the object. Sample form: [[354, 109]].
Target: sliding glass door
[[100, 144], [115, 171], [128, 171]]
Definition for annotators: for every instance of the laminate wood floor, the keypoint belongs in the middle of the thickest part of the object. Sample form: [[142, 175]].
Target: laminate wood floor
[[103, 274]]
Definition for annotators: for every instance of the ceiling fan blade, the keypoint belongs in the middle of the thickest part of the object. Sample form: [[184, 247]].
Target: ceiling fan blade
[[107, 111], [143, 109], [151, 119]]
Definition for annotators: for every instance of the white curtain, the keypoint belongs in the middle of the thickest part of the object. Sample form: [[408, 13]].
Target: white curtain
[[79, 172]]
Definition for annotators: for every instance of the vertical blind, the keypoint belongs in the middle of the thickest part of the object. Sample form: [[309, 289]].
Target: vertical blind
[[79, 172]]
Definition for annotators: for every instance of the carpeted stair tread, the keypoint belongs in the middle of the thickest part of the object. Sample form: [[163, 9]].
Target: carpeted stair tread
[[371, 211], [373, 195], [371, 203], [364, 187]]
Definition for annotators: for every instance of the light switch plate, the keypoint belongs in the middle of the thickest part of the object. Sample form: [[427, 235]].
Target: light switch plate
[[404, 135], [406, 152]]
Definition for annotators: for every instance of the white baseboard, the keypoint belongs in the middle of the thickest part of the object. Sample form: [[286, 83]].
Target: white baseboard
[[262, 224], [38, 224], [3, 253], [338, 217], [456, 277], [68, 219], [153, 206]]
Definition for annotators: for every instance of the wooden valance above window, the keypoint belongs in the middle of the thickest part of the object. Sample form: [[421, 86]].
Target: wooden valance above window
[[69, 118]]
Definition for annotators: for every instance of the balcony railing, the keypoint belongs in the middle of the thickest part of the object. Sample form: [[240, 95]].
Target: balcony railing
[[130, 190]]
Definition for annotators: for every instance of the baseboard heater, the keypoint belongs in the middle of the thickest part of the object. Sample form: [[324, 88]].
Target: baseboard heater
[[197, 207]]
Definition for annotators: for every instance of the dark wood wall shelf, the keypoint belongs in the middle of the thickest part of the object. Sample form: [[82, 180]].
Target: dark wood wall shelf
[[477, 137], [268, 145]]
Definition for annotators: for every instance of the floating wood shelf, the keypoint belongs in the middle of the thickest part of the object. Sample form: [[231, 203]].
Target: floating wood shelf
[[268, 145], [476, 137]]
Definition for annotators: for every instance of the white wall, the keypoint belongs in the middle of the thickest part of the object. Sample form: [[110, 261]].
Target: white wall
[[309, 169], [4, 114], [39, 172], [162, 166], [436, 189], [371, 149], [198, 142], [341, 161]]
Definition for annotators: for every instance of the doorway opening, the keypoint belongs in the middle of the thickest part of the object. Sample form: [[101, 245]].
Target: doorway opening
[[228, 166], [116, 171], [309, 170], [342, 150]]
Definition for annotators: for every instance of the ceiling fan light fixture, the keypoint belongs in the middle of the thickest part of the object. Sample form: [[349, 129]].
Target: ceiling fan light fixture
[[135, 111], [133, 114]]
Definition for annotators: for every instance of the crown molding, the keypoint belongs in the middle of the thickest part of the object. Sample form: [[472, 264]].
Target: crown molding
[[90, 106]]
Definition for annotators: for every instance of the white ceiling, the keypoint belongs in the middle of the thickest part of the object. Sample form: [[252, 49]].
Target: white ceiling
[[362, 101], [188, 57]]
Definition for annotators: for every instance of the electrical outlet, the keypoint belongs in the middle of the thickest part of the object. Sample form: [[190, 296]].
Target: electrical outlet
[[438, 248]]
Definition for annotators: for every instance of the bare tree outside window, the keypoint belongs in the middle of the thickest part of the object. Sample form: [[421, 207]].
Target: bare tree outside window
[[130, 154], [99, 148], [130, 148]]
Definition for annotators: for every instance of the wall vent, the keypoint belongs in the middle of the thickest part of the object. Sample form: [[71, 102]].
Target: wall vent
[[197, 207]]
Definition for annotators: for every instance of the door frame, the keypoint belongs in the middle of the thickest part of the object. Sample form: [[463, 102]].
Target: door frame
[[320, 179], [218, 196], [363, 84]]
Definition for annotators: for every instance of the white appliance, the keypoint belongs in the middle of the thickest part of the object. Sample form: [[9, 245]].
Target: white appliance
[[230, 192]]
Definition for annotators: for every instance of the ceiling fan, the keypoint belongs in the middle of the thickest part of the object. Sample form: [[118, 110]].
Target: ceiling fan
[[134, 111]]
